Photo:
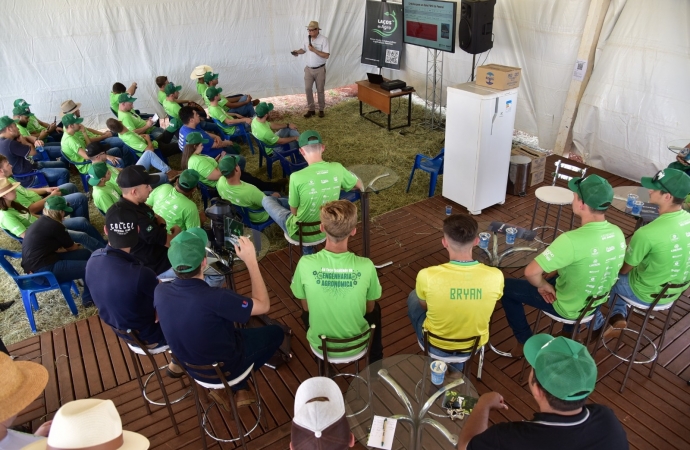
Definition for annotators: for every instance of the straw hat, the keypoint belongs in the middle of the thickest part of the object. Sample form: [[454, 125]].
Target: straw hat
[[68, 107], [22, 382], [6, 186], [89, 424], [313, 25], [199, 71]]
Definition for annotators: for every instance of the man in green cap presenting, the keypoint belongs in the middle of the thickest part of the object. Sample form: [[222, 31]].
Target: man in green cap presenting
[[587, 260], [273, 133], [198, 321], [658, 252], [175, 204], [562, 376], [311, 187]]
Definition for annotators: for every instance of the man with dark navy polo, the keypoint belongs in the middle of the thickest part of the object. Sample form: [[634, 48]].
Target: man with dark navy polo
[[562, 376], [125, 296], [198, 320]]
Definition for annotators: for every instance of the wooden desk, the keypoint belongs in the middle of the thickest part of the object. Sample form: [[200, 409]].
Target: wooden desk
[[381, 99]]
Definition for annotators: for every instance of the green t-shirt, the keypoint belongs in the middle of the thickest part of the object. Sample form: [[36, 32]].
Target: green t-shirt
[[114, 102], [33, 126], [135, 141], [337, 287], [660, 253], [161, 96], [70, 145], [174, 207], [25, 197], [218, 113], [15, 222], [172, 108], [104, 197], [262, 131], [131, 120], [588, 260], [204, 165], [22, 130], [201, 89], [313, 186], [245, 195]]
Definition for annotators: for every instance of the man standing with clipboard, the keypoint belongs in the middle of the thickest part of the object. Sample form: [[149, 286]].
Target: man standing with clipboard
[[318, 50]]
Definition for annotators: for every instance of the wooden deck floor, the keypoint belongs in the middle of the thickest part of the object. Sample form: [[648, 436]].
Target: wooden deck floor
[[86, 359]]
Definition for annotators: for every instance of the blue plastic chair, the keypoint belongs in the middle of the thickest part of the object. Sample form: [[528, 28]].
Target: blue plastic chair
[[16, 238], [434, 166], [351, 196], [240, 132], [207, 193], [270, 159], [28, 286], [84, 176], [290, 164], [33, 179], [244, 213]]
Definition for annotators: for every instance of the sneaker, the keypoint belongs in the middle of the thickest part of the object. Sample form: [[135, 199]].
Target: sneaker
[[255, 102], [220, 396], [616, 325], [309, 114], [321, 114]]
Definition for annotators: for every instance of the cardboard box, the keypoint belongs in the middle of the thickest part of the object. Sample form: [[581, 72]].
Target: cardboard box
[[498, 77], [538, 163]]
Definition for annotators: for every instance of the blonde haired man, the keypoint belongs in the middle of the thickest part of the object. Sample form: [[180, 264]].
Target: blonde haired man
[[338, 288]]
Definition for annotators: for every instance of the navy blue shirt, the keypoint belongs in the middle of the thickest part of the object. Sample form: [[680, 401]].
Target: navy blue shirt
[[197, 321], [207, 149], [122, 289], [16, 154]]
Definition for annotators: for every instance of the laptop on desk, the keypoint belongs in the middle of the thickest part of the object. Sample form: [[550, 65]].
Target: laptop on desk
[[374, 78]]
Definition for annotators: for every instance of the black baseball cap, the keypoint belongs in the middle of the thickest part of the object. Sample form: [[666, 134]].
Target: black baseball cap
[[95, 149], [132, 176], [121, 226]]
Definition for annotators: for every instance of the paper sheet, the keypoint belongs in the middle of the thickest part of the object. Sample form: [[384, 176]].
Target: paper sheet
[[382, 432]]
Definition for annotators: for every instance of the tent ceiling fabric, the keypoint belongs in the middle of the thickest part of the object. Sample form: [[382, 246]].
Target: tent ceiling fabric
[[638, 97]]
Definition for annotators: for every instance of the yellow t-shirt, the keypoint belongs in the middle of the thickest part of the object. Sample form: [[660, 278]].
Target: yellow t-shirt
[[460, 299]]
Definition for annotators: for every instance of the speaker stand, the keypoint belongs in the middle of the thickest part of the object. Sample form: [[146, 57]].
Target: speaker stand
[[433, 118], [473, 59]]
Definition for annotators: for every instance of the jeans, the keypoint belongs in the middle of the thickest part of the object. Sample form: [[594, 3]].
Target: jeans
[[149, 158], [113, 141], [126, 158], [246, 110], [54, 171], [280, 214], [53, 150], [78, 202], [515, 294], [71, 266], [212, 127], [156, 133], [417, 316], [161, 177], [260, 344], [372, 318], [289, 132], [82, 232], [622, 287]]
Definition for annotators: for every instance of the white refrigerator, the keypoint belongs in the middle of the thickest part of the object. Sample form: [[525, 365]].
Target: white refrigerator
[[479, 136]]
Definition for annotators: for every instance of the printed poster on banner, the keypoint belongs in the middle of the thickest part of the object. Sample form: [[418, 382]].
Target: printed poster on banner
[[383, 35]]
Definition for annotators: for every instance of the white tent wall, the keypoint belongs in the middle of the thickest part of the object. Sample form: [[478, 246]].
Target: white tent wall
[[638, 97], [54, 50], [540, 36]]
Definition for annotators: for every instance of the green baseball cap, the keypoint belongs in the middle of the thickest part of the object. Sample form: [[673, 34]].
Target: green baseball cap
[[210, 76], [263, 108], [188, 249], [57, 203], [188, 179], [563, 367], [125, 98], [21, 102], [6, 122], [175, 124], [227, 164], [195, 138], [594, 191], [309, 137], [21, 111], [170, 88], [212, 92], [71, 119], [97, 171], [673, 181]]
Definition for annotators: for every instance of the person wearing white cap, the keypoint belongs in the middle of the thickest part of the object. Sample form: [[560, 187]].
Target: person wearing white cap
[[318, 51], [108, 138], [22, 382], [319, 422], [89, 424]]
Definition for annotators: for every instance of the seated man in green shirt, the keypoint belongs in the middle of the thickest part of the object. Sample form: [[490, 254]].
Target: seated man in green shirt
[[219, 113], [231, 188], [311, 187], [142, 143], [587, 260], [175, 204], [71, 107], [48, 132], [339, 289], [658, 252], [273, 133], [96, 153], [118, 89], [239, 104], [162, 81], [21, 116], [104, 189], [137, 124], [76, 139]]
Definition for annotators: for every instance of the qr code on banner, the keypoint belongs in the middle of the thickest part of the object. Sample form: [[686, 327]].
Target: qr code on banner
[[392, 56]]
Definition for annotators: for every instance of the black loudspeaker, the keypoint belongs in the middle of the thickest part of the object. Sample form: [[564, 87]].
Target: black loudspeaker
[[476, 25]]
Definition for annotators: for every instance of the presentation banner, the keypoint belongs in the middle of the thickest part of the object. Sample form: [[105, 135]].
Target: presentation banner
[[383, 35]]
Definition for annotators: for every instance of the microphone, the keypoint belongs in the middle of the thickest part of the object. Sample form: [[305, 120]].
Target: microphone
[[310, 39]]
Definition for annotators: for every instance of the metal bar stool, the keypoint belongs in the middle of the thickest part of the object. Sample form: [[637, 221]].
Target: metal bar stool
[[470, 350], [138, 347], [301, 235], [208, 376], [557, 196], [586, 315], [361, 342], [654, 306]]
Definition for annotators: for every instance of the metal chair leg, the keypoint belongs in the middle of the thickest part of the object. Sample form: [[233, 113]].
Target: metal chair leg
[[635, 349], [558, 221], [481, 363], [534, 213], [662, 337], [135, 363], [164, 391]]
